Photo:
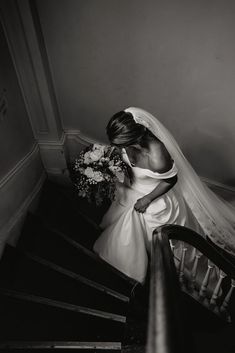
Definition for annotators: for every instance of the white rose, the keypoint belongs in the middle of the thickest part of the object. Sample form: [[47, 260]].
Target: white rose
[[87, 159], [89, 172], [97, 152], [96, 155], [98, 177], [96, 146], [99, 147]]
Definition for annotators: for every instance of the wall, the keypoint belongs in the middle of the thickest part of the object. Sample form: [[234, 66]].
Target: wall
[[16, 136], [21, 171], [173, 58]]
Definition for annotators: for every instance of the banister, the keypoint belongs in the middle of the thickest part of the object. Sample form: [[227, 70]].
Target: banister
[[165, 332], [207, 248], [166, 329]]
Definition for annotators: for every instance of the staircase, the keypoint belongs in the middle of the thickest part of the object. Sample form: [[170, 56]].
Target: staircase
[[55, 293]]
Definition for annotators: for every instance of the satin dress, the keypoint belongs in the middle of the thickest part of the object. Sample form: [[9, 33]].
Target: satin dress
[[127, 234]]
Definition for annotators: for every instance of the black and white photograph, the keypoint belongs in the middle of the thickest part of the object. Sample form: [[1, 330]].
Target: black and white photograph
[[117, 176]]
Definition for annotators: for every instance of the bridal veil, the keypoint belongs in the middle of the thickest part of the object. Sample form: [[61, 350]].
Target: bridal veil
[[215, 216]]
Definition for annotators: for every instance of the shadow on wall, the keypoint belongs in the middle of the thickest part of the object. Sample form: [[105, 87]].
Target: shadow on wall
[[210, 157]]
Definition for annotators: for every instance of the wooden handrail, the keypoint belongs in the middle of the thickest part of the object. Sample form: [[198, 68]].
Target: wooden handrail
[[165, 331], [166, 328]]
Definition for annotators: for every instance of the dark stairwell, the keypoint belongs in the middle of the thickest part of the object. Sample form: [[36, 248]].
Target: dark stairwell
[[56, 293]]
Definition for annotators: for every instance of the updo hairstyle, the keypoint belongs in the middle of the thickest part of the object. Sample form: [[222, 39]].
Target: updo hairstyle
[[123, 131]]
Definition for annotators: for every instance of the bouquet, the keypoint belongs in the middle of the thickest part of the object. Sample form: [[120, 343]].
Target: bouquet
[[96, 171]]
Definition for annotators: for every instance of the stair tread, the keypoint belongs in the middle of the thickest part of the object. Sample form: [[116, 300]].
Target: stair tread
[[32, 277], [69, 196], [63, 346], [54, 247], [57, 344]]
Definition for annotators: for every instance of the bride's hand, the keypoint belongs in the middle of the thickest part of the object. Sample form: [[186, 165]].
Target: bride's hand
[[142, 204]]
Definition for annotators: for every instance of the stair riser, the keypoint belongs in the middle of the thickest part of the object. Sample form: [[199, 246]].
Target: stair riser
[[61, 212]]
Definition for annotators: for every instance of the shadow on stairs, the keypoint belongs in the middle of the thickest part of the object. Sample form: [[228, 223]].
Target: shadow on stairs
[[57, 294]]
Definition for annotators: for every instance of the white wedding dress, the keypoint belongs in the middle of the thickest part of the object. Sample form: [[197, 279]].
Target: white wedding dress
[[126, 237]]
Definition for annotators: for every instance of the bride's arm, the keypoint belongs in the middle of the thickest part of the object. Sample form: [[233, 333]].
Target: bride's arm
[[161, 162], [165, 185]]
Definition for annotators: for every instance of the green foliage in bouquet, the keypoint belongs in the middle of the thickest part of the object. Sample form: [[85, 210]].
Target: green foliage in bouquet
[[96, 171]]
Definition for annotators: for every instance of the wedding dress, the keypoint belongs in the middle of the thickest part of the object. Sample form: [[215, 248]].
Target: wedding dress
[[126, 238]]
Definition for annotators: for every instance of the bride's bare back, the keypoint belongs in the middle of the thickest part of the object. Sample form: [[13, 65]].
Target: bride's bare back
[[154, 157]]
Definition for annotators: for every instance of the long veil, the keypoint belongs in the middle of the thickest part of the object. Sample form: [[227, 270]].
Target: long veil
[[215, 216]]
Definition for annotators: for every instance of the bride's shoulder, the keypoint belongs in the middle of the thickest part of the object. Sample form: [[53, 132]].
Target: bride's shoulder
[[160, 158]]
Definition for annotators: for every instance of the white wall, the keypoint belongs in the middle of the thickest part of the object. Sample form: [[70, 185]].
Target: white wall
[[174, 58]]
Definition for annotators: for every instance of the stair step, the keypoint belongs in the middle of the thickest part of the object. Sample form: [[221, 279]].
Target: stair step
[[63, 305], [33, 318], [80, 278], [69, 196], [34, 275], [61, 211], [65, 252], [27, 346], [81, 346]]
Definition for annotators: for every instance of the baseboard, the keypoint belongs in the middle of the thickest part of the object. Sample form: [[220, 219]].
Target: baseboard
[[19, 190]]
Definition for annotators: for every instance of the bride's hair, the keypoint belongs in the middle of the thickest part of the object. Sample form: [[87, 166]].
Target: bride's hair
[[123, 131]]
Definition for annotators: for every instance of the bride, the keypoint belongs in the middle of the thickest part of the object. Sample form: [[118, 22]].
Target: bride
[[161, 188]]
